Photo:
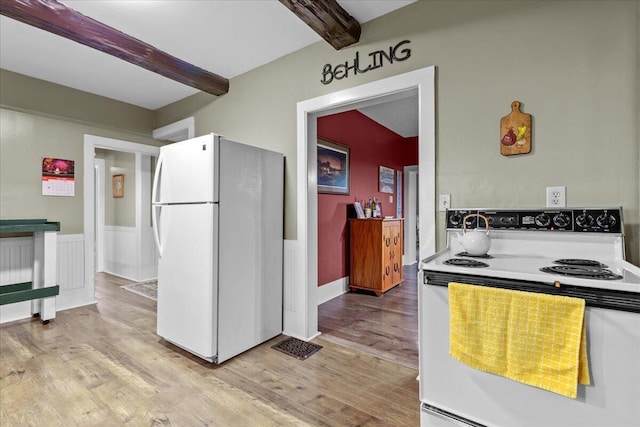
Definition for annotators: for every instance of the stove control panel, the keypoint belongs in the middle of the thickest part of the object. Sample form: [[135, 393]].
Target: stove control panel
[[592, 220]]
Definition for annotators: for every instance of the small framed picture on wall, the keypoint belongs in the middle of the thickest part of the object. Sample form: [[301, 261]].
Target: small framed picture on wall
[[117, 182], [386, 179]]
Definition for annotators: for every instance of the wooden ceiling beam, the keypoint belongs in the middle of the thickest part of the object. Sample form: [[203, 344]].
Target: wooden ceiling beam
[[328, 19], [59, 19]]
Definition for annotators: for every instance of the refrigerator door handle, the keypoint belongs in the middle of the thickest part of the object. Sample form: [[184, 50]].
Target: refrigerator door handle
[[156, 233], [155, 209], [156, 180]]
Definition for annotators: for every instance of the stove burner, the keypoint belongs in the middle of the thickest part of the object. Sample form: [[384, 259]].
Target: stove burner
[[485, 256], [462, 262], [580, 262], [583, 272]]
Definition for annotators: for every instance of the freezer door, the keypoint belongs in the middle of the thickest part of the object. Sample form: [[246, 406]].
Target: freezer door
[[187, 271], [186, 172]]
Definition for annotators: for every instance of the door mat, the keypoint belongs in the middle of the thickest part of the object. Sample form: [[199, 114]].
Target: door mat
[[145, 289], [297, 348]]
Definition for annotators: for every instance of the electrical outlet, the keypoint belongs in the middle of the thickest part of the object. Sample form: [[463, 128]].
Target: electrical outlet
[[556, 197], [444, 202]]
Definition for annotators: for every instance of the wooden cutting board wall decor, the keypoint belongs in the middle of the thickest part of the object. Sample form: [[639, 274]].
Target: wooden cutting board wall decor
[[515, 132]]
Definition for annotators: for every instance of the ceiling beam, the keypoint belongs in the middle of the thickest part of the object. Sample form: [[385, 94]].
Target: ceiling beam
[[328, 19], [59, 19]]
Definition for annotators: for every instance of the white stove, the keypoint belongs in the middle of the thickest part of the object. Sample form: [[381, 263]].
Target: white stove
[[523, 242], [569, 251]]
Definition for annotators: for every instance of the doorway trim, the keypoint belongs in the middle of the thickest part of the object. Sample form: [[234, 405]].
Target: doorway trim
[[100, 194], [91, 142], [410, 215], [301, 320]]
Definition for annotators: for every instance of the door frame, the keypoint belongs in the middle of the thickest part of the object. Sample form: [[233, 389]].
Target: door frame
[[91, 142], [100, 194], [410, 214], [301, 320]]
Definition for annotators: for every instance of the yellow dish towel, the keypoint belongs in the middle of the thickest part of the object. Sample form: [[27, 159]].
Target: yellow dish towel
[[535, 339]]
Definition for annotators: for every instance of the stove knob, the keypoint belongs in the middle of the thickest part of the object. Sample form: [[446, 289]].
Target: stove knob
[[471, 222], [561, 220], [455, 218], [605, 220], [584, 220], [542, 220]]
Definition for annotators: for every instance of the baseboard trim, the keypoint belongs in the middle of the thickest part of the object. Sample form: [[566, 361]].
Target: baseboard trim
[[332, 290]]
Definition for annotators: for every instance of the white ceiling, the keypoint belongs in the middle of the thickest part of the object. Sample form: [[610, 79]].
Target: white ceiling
[[400, 115], [225, 37]]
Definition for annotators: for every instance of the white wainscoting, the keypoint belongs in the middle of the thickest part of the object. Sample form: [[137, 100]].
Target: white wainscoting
[[70, 261], [16, 260], [148, 256], [125, 257], [293, 320], [297, 304], [74, 292], [120, 251], [16, 266]]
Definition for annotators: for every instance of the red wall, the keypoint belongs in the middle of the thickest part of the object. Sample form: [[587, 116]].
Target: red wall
[[371, 145]]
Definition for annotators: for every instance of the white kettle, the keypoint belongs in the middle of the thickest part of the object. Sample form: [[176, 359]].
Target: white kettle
[[475, 242]]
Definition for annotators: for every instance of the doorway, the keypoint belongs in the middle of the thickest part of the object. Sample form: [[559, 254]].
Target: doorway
[[142, 234], [301, 317]]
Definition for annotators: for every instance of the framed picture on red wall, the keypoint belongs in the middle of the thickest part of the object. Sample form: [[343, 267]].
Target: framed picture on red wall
[[387, 176], [333, 168]]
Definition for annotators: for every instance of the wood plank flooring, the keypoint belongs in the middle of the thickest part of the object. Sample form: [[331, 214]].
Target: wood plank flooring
[[104, 365], [385, 327]]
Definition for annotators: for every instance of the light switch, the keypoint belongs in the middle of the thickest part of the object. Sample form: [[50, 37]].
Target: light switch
[[390, 199]]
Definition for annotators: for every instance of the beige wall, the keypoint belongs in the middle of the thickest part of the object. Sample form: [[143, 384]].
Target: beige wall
[[26, 94], [573, 65], [24, 140]]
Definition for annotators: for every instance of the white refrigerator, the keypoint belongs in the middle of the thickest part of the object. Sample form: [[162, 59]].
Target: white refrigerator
[[218, 222]]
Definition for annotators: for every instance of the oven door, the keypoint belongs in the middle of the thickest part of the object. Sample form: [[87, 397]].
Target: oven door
[[450, 390]]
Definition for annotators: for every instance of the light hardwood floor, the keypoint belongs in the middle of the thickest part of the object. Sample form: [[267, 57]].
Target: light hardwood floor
[[385, 327], [104, 365]]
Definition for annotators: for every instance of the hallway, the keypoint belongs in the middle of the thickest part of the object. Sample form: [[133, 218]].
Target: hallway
[[385, 327]]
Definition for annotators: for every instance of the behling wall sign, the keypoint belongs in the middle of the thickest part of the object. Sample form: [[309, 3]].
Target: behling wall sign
[[377, 59]]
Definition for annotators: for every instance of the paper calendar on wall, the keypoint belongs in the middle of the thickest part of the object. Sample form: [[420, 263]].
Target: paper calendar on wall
[[58, 177]]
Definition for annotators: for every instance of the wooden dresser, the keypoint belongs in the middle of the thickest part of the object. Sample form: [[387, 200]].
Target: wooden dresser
[[376, 254]]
